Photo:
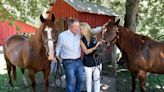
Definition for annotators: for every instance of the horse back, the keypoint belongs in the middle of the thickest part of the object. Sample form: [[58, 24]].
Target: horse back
[[15, 47]]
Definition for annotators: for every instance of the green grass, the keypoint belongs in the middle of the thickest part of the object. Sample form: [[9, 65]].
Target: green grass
[[154, 82], [18, 85]]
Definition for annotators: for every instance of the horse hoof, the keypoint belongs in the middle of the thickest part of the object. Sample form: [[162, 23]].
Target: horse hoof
[[10, 85], [26, 83]]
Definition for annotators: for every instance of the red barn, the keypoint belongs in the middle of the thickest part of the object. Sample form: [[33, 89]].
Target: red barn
[[84, 11], [7, 29]]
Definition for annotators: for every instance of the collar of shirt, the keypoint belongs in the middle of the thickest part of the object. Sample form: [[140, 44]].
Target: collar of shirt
[[77, 34]]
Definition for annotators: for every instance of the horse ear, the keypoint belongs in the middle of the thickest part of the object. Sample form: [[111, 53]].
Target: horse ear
[[117, 22], [53, 17], [42, 19]]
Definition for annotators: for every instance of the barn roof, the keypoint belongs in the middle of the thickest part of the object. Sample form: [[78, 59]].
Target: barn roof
[[84, 6]]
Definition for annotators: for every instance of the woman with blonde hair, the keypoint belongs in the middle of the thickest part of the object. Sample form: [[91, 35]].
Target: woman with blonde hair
[[89, 45]]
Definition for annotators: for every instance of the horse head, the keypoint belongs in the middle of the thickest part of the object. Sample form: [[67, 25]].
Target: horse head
[[49, 34], [110, 34]]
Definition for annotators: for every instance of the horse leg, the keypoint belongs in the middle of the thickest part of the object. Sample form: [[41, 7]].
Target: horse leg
[[8, 68], [46, 75], [14, 74], [142, 80], [24, 78], [9, 72], [31, 74], [133, 82]]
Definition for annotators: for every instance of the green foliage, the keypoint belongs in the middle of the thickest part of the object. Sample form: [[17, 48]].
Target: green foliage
[[18, 28], [150, 16], [11, 23], [151, 19], [25, 10], [4, 14]]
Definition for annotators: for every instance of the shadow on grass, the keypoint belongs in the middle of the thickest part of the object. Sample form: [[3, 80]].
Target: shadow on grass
[[155, 83]]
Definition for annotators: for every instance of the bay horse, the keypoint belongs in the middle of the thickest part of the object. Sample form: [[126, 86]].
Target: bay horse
[[142, 53], [33, 53]]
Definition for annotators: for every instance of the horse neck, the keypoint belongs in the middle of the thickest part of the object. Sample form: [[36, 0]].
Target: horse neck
[[128, 40], [36, 42]]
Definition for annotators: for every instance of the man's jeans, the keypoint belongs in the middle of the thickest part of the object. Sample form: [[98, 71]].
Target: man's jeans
[[74, 70]]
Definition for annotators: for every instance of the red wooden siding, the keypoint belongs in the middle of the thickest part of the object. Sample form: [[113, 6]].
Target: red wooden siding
[[61, 9], [93, 19], [7, 30], [25, 27]]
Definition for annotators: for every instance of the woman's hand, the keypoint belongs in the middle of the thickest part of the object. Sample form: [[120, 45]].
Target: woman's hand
[[97, 45], [104, 25]]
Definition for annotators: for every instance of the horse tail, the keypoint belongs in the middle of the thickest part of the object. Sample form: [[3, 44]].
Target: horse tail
[[10, 66]]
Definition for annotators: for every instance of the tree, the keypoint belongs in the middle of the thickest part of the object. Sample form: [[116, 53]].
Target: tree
[[150, 13], [151, 19], [99, 2], [131, 15], [24, 10]]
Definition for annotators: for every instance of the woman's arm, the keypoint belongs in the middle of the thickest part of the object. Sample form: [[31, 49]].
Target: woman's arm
[[85, 50], [97, 30]]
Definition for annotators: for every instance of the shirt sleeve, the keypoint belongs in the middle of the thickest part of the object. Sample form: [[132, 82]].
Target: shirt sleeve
[[59, 45], [96, 30]]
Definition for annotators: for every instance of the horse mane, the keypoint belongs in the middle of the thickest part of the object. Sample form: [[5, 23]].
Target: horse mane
[[136, 40], [36, 39]]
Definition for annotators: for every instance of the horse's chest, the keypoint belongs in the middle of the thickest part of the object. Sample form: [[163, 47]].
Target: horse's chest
[[39, 63]]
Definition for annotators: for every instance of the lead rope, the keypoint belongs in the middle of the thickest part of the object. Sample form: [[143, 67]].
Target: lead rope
[[98, 61], [57, 73]]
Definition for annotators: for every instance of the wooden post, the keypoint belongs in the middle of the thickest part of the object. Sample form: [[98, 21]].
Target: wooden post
[[114, 61]]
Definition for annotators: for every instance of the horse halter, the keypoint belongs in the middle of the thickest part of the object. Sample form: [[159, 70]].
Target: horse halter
[[46, 42], [109, 43]]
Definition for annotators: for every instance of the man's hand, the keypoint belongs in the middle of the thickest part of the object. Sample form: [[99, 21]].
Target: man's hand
[[55, 60], [52, 57]]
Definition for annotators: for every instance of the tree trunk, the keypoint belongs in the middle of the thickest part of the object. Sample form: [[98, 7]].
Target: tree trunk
[[91, 0], [98, 2], [131, 15]]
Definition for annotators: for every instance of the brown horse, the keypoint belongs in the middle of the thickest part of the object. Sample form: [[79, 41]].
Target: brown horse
[[142, 54], [33, 53]]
